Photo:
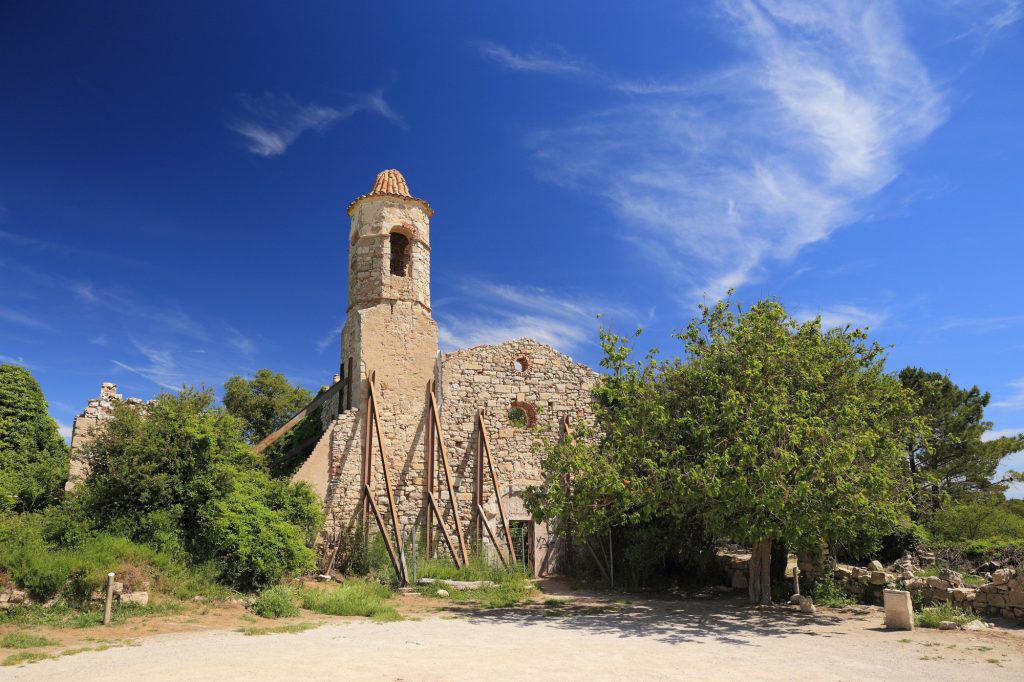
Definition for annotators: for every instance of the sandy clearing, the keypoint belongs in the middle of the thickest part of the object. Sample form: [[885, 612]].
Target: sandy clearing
[[651, 640]]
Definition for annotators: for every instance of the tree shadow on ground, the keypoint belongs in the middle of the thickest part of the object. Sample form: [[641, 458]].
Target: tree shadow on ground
[[727, 619]]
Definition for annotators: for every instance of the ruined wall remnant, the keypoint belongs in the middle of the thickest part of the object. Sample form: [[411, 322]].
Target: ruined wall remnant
[[88, 425]]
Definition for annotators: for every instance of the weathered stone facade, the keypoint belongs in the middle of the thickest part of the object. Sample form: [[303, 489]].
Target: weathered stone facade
[[96, 414], [390, 333]]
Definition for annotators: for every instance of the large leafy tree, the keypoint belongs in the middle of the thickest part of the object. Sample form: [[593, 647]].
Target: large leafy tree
[[798, 433], [947, 457], [179, 475], [263, 403], [33, 456], [770, 431]]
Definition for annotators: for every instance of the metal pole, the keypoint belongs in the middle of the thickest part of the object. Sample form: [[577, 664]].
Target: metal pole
[[110, 599]]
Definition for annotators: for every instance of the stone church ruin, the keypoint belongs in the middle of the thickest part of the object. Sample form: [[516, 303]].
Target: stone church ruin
[[418, 443]]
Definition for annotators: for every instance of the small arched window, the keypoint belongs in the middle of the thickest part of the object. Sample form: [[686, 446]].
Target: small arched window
[[399, 254]]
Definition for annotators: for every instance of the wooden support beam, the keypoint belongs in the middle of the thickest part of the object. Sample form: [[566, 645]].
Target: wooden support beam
[[497, 545], [497, 488], [447, 474], [399, 566], [432, 504], [387, 470], [299, 416]]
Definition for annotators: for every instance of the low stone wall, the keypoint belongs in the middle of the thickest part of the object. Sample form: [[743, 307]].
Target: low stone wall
[[1003, 596]]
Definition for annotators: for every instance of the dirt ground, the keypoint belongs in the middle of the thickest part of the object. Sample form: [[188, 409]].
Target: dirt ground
[[593, 637]]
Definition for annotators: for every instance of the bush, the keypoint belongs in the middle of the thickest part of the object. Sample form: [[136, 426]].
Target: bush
[[931, 616], [978, 524], [179, 476], [352, 598], [511, 583], [275, 602], [48, 570], [827, 591]]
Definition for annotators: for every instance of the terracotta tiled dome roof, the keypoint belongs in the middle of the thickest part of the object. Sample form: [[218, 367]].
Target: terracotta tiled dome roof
[[390, 183]]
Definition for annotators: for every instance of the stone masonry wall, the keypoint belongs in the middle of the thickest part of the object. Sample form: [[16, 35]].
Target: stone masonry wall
[[480, 377], [523, 374]]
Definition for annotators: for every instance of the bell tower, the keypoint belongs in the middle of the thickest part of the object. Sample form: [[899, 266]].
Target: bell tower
[[388, 328]]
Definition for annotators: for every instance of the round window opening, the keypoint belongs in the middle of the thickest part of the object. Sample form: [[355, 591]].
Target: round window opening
[[517, 417], [521, 364], [522, 415]]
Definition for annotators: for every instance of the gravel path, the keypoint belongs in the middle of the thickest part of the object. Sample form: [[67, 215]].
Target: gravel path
[[646, 640]]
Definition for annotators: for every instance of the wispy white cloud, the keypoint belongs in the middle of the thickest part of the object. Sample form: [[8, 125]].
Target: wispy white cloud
[[490, 313], [842, 315], [239, 341], [534, 61], [982, 325], [995, 434], [10, 360], [64, 430], [988, 19], [1015, 399], [273, 122], [85, 292], [331, 337], [161, 368], [24, 319], [714, 178]]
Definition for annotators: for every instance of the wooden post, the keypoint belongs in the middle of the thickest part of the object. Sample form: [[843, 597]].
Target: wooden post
[[796, 580], [108, 605]]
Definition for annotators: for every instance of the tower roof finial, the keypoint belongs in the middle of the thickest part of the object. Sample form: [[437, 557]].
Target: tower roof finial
[[390, 183]]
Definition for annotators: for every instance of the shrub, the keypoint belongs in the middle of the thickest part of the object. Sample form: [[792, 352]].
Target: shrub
[[352, 598], [47, 570], [827, 591], [180, 476], [275, 602], [931, 616]]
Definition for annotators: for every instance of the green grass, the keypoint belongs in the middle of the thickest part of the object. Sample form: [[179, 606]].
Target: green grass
[[477, 568], [24, 640], [827, 591], [511, 584], [931, 616], [366, 598], [275, 602], [63, 616], [24, 657], [279, 629]]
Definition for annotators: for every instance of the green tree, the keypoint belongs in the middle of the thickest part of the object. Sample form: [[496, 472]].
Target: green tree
[[33, 456], [799, 433], [770, 431], [947, 457], [263, 403], [177, 474]]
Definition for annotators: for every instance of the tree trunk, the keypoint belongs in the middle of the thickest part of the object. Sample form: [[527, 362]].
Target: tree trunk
[[759, 586]]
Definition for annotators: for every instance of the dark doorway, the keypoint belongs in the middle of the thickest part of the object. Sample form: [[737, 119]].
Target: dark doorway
[[521, 533]]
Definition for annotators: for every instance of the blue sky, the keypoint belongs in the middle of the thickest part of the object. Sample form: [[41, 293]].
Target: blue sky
[[173, 177]]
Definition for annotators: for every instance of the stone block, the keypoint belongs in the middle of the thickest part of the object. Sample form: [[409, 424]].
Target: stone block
[[1002, 576], [878, 577], [140, 598], [875, 565], [739, 580], [937, 583], [947, 625], [899, 611]]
